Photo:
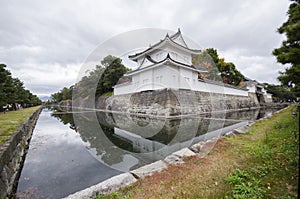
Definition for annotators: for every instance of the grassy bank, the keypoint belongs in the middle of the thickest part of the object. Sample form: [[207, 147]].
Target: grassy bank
[[262, 163], [10, 121]]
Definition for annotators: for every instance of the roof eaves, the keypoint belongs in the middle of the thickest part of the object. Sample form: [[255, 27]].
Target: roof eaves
[[167, 38]]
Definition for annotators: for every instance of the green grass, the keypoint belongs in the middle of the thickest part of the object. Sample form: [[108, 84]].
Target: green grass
[[262, 163], [274, 157], [10, 121]]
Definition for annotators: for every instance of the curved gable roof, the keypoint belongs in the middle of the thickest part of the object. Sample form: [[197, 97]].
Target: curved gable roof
[[178, 38], [168, 59], [147, 59], [168, 39]]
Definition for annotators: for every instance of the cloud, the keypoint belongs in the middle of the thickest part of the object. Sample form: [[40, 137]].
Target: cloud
[[44, 43], [265, 68], [47, 78]]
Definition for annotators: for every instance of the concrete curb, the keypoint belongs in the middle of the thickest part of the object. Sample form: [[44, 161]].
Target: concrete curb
[[149, 169], [108, 186]]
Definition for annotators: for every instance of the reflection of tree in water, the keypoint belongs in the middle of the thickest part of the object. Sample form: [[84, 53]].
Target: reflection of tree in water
[[94, 137], [109, 131], [243, 115], [65, 118], [101, 139], [252, 114], [167, 133]]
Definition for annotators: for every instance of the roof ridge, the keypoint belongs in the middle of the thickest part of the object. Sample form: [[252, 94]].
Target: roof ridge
[[176, 34], [167, 37]]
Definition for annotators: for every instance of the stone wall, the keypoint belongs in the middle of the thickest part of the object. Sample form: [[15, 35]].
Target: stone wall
[[171, 102], [12, 155]]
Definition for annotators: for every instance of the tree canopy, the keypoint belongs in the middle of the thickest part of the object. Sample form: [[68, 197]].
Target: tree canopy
[[289, 52], [63, 94], [113, 71], [12, 90], [219, 70], [281, 93]]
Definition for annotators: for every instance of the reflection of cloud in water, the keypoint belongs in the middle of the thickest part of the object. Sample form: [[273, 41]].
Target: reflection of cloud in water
[[57, 163]]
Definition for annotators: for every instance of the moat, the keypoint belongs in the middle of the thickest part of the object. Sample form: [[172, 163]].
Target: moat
[[70, 151]]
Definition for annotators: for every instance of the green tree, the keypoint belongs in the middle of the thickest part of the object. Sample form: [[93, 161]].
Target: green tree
[[86, 85], [5, 84], [281, 93], [63, 94], [229, 73], [289, 52], [56, 97], [18, 92], [218, 69], [66, 93], [12, 90], [208, 59], [113, 71]]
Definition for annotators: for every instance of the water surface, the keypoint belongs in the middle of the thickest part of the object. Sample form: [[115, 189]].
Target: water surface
[[72, 151], [57, 163]]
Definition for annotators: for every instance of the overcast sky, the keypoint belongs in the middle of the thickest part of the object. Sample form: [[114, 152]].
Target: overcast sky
[[44, 43]]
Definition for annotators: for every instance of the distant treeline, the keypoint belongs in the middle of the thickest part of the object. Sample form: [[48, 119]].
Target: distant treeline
[[281, 93], [12, 92], [62, 95]]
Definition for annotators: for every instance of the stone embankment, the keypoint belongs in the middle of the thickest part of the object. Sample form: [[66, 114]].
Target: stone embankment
[[168, 103], [171, 102], [12, 155]]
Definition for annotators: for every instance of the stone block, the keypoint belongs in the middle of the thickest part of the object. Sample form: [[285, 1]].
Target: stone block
[[229, 134], [185, 152], [149, 169], [108, 186], [241, 130], [3, 189], [173, 159], [196, 148]]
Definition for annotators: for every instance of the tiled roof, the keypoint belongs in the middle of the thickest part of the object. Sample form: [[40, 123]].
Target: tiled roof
[[167, 59], [166, 39]]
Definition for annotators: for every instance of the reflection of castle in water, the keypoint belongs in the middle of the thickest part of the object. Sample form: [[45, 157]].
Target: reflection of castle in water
[[129, 141]]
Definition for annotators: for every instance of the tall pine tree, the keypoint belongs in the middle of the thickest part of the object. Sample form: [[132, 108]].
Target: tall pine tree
[[289, 52]]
